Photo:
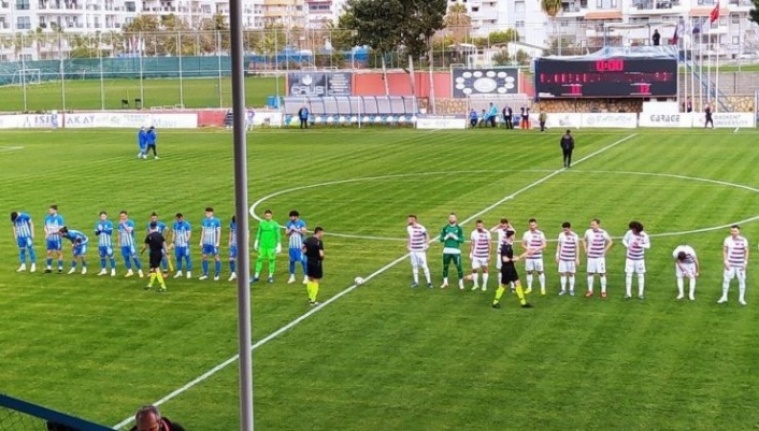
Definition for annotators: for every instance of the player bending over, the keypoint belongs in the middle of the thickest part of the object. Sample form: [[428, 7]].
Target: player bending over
[[23, 232], [686, 265], [78, 247]]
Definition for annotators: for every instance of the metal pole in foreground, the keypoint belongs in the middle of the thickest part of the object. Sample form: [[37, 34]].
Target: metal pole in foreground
[[241, 211]]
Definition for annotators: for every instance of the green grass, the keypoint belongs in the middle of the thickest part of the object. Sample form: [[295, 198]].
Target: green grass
[[86, 94], [385, 356]]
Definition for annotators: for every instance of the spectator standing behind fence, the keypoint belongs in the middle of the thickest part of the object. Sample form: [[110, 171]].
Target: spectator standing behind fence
[[542, 119], [148, 418], [508, 117], [473, 118], [251, 115], [567, 146], [303, 116], [526, 118], [483, 118], [492, 115], [708, 115], [656, 38]]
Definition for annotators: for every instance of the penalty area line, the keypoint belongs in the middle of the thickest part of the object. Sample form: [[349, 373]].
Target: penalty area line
[[205, 376]]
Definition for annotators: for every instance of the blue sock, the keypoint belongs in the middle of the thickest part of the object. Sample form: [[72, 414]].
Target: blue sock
[[49, 262], [292, 267], [128, 263], [113, 263], [84, 263], [32, 255], [102, 263], [22, 256], [73, 263], [60, 264], [178, 263], [217, 268], [137, 264], [205, 267], [232, 266], [188, 262], [164, 264], [303, 264]]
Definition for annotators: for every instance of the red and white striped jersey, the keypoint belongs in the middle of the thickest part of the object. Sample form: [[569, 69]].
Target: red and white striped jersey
[[596, 241], [480, 243], [690, 254], [737, 249], [534, 240], [569, 245], [417, 237], [636, 244]]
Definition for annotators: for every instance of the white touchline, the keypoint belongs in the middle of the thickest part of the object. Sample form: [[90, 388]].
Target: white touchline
[[352, 287]]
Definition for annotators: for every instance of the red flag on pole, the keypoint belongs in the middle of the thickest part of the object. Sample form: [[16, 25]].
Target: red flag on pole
[[675, 37], [714, 14]]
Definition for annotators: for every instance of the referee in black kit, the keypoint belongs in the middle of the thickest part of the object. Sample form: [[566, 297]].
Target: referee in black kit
[[157, 245], [567, 146], [313, 248]]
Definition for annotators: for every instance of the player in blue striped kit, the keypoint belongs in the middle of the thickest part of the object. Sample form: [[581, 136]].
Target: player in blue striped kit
[[127, 244], [54, 245], [142, 142], [23, 231], [180, 241], [79, 243], [295, 229], [210, 235], [233, 248], [104, 233], [160, 228]]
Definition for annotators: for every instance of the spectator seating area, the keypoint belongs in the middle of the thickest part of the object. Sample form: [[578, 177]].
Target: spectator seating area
[[353, 109]]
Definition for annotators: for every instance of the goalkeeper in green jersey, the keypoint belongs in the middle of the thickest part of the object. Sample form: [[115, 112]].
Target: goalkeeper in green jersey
[[452, 236], [268, 245]]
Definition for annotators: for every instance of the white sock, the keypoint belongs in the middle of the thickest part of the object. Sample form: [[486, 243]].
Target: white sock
[[475, 278], [680, 286], [603, 283], [415, 270], [484, 279], [692, 286], [742, 289], [445, 280], [572, 283], [641, 284], [529, 281], [542, 279], [427, 274], [725, 286], [628, 284], [590, 283], [563, 279]]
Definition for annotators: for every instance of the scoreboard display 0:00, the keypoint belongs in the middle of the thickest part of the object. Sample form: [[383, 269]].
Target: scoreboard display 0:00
[[608, 77]]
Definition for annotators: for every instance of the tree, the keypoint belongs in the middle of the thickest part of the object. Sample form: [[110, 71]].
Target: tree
[[458, 23], [83, 46], [497, 38], [753, 15], [215, 34], [377, 24], [138, 30], [340, 38], [423, 18], [552, 8]]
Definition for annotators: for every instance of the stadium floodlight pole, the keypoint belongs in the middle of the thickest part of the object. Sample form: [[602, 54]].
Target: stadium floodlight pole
[[239, 127]]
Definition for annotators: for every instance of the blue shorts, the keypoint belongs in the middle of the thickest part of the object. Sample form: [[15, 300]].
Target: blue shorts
[[24, 242], [54, 245], [128, 251], [105, 251], [210, 249], [233, 252], [296, 255], [80, 250], [181, 252]]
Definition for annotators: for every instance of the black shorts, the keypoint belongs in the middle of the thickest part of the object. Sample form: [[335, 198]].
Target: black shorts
[[155, 259], [509, 274], [314, 269]]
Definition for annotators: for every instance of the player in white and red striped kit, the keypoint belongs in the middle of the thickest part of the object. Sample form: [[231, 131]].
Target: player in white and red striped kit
[[534, 241], [418, 241], [596, 243], [686, 265], [637, 242], [735, 256], [479, 254], [568, 257]]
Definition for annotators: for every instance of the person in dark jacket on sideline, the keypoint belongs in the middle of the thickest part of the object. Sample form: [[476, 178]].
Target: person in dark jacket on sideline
[[567, 146], [148, 418]]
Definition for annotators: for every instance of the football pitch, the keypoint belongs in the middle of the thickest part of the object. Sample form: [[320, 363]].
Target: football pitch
[[86, 94], [384, 356]]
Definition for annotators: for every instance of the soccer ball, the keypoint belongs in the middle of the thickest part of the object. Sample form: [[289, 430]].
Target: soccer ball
[[359, 281]]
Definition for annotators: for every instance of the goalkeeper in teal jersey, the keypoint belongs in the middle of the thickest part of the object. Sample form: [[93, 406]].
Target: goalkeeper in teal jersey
[[452, 236], [268, 244]]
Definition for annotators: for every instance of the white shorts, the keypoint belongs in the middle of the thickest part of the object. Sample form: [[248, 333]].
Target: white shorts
[[567, 266], [685, 270], [636, 266], [735, 272], [418, 259], [596, 265], [533, 265], [480, 262]]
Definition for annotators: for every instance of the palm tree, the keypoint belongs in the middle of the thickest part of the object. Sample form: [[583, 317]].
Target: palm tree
[[552, 8], [458, 23]]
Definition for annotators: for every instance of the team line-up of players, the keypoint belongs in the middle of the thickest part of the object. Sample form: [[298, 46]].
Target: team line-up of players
[[268, 237], [595, 243]]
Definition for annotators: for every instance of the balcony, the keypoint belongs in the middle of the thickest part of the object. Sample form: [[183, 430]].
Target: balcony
[[654, 7], [740, 5]]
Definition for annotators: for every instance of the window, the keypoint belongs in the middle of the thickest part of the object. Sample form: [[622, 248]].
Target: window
[[519, 24], [606, 4], [563, 23], [130, 6], [23, 23], [735, 19], [22, 4], [475, 9], [736, 40]]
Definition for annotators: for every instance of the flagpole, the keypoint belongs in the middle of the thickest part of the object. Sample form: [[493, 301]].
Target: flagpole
[[692, 71], [700, 72], [716, 80]]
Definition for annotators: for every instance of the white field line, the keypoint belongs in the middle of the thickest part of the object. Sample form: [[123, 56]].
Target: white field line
[[312, 311]]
